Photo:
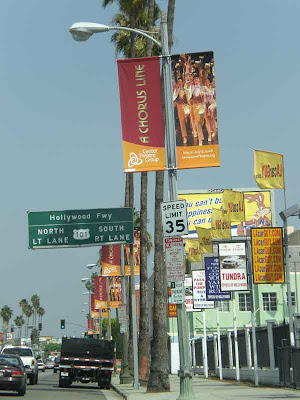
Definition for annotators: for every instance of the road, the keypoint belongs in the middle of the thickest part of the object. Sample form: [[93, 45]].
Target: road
[[48, 389]]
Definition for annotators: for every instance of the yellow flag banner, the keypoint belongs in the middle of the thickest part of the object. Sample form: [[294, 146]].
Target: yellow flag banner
[[192, 249], [233, 206], [204, 239], [268, 170], [220, 229]]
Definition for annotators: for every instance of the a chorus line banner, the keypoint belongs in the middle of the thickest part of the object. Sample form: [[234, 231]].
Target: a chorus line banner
[[194, 97], [110, 260], [142, 114]]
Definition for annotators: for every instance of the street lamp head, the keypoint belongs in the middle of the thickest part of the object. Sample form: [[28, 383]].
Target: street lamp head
[[84, 279], [82, 31], [90, 266], [290, 212]]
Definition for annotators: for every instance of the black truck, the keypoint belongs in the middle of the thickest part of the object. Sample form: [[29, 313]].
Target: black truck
[[86, 360]]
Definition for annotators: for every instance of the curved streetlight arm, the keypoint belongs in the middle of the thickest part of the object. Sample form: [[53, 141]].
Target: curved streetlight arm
[[142, 33]]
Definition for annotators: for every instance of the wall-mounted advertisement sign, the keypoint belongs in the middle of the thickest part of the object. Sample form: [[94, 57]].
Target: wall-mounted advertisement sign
[[233, 266], [267, 255], [212, 278], [195, 110], [199, 291]]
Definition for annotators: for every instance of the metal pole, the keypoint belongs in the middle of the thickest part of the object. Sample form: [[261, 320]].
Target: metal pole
[[124, 374], [219, 342], [108, 333], [288, 284], [236, 345], [204, 347], [296, 287], [185, 372], [136, 383]]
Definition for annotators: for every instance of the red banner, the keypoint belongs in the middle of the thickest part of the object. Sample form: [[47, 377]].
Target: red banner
[[142, 114], [100, 292], [110, 260]]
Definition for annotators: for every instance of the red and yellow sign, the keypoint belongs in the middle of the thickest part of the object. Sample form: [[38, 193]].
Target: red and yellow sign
[[205, 241], [268, 170], [100, 292], [220, 229], [110, 260], [142, 114], [172, 311], [267, 255]]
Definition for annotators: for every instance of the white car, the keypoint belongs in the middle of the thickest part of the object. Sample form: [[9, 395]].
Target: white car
[[41, 365], [29, 361], [233, 262]]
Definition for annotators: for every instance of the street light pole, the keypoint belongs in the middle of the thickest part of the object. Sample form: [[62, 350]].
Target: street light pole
[[185, 372], [81, 32]]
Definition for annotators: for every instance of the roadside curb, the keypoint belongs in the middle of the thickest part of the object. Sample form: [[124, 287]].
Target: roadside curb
[[117, 390]]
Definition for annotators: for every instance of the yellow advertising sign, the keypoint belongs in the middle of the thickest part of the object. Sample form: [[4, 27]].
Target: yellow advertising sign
[[204, 238], [192, 249], [233, 206], [268, 170], [220, 229], [200, 205], [267, 255]]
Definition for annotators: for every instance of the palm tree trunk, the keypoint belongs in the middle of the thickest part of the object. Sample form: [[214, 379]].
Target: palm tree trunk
[[159, 378]]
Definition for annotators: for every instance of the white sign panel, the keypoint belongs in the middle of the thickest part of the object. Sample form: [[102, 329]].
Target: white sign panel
[[174, 218], [199, 291], [233, 270], [174, 258], [177, 293]]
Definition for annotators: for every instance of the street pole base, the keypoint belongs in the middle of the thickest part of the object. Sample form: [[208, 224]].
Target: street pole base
[[186, 388], [125, 378]]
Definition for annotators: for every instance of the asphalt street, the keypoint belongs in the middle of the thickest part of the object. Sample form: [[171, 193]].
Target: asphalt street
[[48, 389]]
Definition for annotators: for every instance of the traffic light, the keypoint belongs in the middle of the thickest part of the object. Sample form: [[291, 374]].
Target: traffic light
[[62, 324], [40, 326]]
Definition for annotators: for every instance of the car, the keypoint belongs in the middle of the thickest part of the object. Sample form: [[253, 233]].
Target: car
[[232, 262], [56, 364], [29, 361], [41, 365], [12, 373], [49, 364]]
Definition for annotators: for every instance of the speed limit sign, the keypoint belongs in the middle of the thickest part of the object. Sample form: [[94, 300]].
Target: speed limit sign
[[174, 219]]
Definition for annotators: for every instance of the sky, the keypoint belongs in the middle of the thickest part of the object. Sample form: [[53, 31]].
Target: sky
[[61, 130]]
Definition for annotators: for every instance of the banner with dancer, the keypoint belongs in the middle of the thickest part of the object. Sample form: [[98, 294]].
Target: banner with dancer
[[194, 97]]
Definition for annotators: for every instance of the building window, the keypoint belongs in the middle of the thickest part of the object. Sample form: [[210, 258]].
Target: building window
[[224, 305], [269, 301], [244, 302], [293, 298]]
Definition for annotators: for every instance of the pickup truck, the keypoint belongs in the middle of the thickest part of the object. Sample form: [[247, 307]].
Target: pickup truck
[[86, 360], [30, 363]]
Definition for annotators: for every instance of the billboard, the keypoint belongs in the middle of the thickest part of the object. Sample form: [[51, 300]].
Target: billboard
[[233, 267], [142, 114], [212, 278], [195, 110], [259, 209], [267, 255]]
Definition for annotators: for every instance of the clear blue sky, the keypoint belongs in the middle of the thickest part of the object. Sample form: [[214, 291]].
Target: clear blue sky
[[60, 124]]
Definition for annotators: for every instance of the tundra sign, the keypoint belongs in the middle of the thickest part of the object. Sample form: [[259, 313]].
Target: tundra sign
[[79, 228], [233, 270]]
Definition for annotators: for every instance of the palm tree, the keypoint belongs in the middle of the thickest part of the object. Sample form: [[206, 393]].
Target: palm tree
[[22, 303], [159, 378], [35, 300], [19, 322], [28, 311], [40, 312], [6, 314]]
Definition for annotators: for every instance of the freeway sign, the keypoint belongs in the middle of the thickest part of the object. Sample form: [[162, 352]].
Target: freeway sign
[[78, 228]]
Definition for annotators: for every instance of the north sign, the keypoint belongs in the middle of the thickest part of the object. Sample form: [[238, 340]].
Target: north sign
[[174, 218], [80, 228]]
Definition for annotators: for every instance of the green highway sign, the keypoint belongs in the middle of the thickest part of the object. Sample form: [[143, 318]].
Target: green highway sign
[[78, 228]]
